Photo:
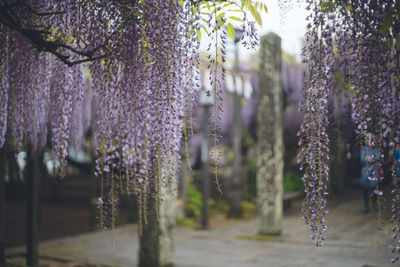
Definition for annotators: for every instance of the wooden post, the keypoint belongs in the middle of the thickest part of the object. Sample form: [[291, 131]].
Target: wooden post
[[32, 177], [236, 185], [235, 192], [269, 136], [184, 180], [2, 208], [205, 168], [337, 166]]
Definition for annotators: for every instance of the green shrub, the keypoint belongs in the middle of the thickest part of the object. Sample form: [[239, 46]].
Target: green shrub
[[221, 206], [292, 182], [187, 222], [249, 207], [193, 203]]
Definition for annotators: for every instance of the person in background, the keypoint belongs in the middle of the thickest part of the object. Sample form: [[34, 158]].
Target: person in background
[[397, 158], [370, 156]]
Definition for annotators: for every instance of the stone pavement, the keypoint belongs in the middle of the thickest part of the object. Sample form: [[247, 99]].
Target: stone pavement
[[352, 240]]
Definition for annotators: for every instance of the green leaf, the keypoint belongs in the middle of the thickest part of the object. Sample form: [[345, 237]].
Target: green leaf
[[189, 25], [256, 15], [231, 31], [220, 15], [205, 29], [265, 8], [191, 31], [207, 5], [199, 35], [252, 10], [222, 22], [327, 6], [215, 10], [258, 18], [236, 18], [248, 4]]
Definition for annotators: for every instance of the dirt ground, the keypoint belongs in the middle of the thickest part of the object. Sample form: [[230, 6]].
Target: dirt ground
[[57, 220], [20, 262], [353, 239]]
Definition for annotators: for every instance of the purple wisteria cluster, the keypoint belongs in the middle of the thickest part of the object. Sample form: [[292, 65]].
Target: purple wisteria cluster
[[139, 128], [127, 71], [354, 44], [218, 26], [39, 92], [131, 97]]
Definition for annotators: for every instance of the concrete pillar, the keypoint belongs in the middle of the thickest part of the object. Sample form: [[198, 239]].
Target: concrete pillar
[[156, 243], [149, 251], [167, 218], [269, 137]]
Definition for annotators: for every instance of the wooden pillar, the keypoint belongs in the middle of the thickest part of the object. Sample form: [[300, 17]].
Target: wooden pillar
[[269, 136], [2, 208], [337, 166], [205, 169], [235, 192], [184, 180], [32, 177]]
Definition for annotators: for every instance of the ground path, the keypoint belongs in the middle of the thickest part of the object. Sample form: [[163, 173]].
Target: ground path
[[352, 240]]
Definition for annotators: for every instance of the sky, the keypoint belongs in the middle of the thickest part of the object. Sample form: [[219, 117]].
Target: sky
[[291, 27]]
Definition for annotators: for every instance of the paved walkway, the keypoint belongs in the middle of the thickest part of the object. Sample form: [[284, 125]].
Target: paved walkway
[[352, 240]]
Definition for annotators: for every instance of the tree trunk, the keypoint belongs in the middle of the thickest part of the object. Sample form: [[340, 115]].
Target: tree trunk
[[167, 222], [156, 244], [269, 136], [149, 253]]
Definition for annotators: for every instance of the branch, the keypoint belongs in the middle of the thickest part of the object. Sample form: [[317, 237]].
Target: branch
[[37, 37], [28, 7]]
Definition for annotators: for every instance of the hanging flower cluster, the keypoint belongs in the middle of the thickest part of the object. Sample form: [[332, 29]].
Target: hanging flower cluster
[[138, 85], [39, 91], [358, 42], [314, 141], [218, 25], [135, 92], [141, 90]]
